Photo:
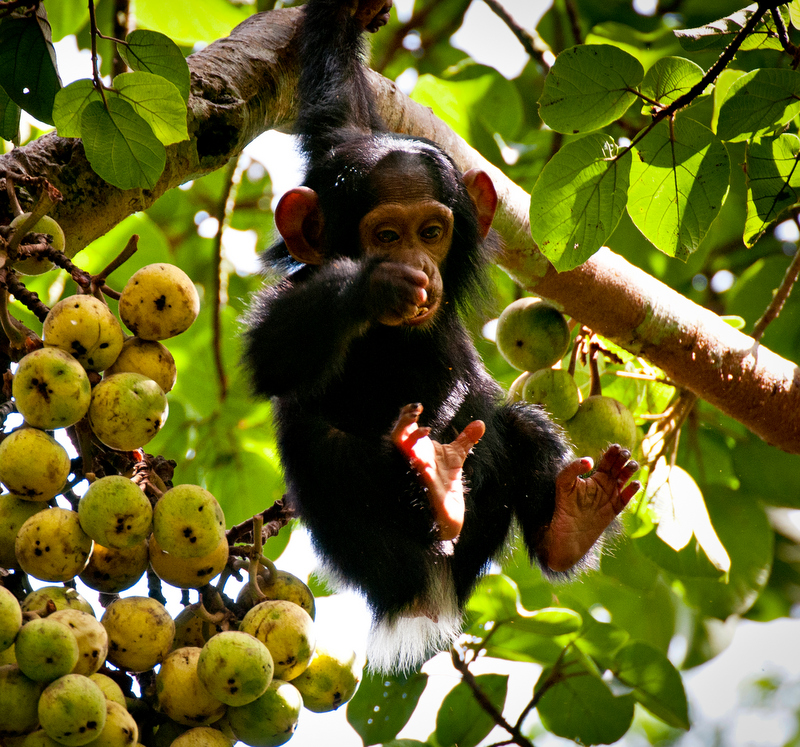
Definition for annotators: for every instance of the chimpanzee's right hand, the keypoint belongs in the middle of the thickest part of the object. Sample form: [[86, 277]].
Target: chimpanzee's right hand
[[396, 293]]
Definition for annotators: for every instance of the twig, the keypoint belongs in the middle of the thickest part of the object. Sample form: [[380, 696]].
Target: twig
[[28, 298], [516, 735], [783, 34], [98, 81], [779, 298], [574, 21], [224, 210], [277, 516], [524, 37], [118, 261]]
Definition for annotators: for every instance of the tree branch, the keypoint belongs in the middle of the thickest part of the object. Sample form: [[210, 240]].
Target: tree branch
[[243, 85]]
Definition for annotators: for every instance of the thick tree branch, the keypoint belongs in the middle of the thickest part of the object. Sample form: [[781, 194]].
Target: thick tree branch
[[244, 85]]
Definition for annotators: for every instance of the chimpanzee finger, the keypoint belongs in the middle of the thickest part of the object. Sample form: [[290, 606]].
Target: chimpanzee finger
[[469, 437], [613, 460], [628, 493], [409, 415]]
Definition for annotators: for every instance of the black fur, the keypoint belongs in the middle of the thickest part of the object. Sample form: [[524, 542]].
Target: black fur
[[338, 378]]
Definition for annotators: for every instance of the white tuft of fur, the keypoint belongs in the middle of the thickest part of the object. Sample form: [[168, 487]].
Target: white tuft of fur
[[404, 643]]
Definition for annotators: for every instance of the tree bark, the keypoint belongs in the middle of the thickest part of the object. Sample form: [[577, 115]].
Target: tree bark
[[243, 85]]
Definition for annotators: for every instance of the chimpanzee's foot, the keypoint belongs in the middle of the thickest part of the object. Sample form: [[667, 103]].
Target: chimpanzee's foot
[[586, 507]]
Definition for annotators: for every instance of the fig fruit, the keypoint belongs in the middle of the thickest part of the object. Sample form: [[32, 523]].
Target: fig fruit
[[599, 422], [14, 512], [19, 696], [91, 637], [10, 618], [127, 410], [33, 465], [202, 736], [555, 390], [149, 358], [158, 302], [331, 678], [140, 633], [181, 695], [45, 650], [532, 334], [84, 327], [284, 586], [235, 667], [187, 573], [111, 571], [188, 522], [51, 389], [46, 225], [51, 545], [72, 710], [115, 512], [287, 631], [269, 720]]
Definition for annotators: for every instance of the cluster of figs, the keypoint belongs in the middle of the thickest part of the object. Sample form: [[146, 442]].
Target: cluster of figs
[[534, 336], [136, 675]]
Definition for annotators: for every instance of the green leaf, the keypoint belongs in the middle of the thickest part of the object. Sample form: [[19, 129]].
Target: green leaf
[[158, 102], [479, 98], [669, 79], [718, 34], [495, 600], [581, 707], [794, 13], [759, 103], [549, 622], [67, 17], [679, 181], [578, 200], [773, 182], [28, 65], [120, 145], [681, 513], [152, 52], [588, 87], [191, 21], [656, 684], [69, 105], [461, 720], [383, 704], [751, 554], [9, 117]]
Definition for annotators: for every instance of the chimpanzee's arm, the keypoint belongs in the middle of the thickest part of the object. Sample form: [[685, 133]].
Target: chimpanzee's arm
[[300, 332]]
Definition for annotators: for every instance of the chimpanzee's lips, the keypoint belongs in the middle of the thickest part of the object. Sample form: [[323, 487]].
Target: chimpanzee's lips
[[424, 314]]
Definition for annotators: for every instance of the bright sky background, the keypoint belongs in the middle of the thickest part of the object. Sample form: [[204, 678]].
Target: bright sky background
[[714, 689]]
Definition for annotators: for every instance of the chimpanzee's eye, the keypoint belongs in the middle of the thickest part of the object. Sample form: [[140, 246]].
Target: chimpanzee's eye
[[387, 236], [431, 232]]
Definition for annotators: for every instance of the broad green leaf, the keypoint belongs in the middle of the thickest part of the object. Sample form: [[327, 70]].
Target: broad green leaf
[[191, 21], [668, 80], [120, 145], [588, 87], [9, 117], [582, 707], [681, 513], [383, 704], [794, 13], [718, 34], [578, 200], [69, 105], [495, 600], [679, 181], [28, 65], [461, 720], [152, 52], [759, 103], [549, 622], [744, 529], [485, 100], [66, 17], [158, 102], [773, 182], [655, 681]]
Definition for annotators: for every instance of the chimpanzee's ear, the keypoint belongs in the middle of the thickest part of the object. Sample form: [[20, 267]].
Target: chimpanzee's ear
[[299, 220], [484, 197]]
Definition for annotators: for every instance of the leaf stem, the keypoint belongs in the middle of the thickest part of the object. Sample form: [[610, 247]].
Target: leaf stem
[[94, 32]]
